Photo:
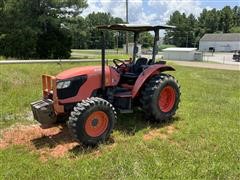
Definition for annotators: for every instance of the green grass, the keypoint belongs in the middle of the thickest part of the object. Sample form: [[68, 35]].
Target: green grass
[[206, 144], [2, 58], [96, 54]]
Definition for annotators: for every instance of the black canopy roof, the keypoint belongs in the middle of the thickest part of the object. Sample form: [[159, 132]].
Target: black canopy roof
[[135, 27]]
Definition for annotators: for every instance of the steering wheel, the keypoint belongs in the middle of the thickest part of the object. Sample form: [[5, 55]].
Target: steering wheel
[[121, 61]]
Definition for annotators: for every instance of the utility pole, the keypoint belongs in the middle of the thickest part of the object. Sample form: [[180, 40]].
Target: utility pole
[[187, 40], [127, 23]]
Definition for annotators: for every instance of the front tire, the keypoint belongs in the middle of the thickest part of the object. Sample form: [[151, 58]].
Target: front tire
[[160, 97], [92, 121]]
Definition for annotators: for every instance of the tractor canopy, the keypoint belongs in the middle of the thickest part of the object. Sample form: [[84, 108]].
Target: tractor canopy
[[134, 27], [137, 29]]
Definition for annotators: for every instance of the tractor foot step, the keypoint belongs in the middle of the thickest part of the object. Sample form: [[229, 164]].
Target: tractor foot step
[[126, 94], [125, 111]]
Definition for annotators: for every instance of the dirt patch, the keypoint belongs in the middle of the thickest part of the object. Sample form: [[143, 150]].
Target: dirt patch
[[52, 142], [156, 133]]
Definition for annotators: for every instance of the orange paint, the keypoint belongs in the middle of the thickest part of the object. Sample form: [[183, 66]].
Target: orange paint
[[94, 74], [96, 123], [49, 84], [147, 73]]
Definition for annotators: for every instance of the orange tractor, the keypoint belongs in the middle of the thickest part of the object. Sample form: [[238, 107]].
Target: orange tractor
[[88, 97]]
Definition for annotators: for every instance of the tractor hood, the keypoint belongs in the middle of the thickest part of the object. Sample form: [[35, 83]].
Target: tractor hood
[[78, 71]]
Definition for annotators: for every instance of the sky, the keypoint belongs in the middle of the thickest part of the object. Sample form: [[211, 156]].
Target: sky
[[154, 11]]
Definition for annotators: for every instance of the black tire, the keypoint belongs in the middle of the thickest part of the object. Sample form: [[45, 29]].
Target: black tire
[[79, 121], [150, 97]]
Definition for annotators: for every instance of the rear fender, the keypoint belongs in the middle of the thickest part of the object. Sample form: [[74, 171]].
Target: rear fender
[[146, 74]]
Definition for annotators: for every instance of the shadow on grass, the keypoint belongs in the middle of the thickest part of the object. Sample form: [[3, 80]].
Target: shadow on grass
[[128, 124], [132, 123], [82, 149], [51, 141]]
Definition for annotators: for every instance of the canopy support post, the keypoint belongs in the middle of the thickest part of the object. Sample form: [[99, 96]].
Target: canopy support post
[[135, 48], [155, 48]]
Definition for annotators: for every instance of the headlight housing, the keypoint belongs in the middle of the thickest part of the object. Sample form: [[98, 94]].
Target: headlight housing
[[63, 84], [67, 88]]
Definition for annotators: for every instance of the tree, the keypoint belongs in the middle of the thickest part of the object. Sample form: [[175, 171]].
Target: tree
[[209, 20], [18, 33], [226, 19], [146, 39], [190, 29], [33, 29], [235, 29], [95, 19], [77, 27], [236, 16], [179, 36]]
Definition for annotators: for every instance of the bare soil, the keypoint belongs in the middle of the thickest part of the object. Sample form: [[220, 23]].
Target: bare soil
[[156, 133], [53, 142]]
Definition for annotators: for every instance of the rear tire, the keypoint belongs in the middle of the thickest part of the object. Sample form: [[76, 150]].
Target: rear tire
[[160, 97], [92, 121]]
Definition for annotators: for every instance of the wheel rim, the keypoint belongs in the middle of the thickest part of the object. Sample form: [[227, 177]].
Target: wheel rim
[[96, 123], [167, 99]]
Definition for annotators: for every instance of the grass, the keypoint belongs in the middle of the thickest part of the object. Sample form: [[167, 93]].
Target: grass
[[96, 54], [205, 144], [2, 57]]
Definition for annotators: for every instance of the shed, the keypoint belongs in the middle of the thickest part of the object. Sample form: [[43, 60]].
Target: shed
[[187, 54], [130, 48], [225, 42]]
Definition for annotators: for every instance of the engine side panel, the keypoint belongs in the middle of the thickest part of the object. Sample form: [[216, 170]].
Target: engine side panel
[[92, 83]]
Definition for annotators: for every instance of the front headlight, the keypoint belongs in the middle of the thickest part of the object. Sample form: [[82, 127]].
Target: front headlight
[[63, 84]]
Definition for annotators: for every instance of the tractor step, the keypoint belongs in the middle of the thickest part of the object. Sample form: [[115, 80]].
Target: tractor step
[[125, 111], [123, 101], [126, 94]]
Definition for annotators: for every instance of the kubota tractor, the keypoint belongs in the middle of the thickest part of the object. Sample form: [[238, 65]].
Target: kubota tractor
[[90, 96]]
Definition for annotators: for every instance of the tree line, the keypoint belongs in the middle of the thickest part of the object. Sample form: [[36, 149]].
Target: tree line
[[34, 29], [190, 29], [49, 29]]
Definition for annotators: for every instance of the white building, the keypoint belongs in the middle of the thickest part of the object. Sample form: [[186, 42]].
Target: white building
[[221, 42], [184, 54], [130, 48]]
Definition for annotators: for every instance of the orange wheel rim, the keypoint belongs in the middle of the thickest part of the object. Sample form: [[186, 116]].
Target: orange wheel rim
[[167, 99], [96, 123]]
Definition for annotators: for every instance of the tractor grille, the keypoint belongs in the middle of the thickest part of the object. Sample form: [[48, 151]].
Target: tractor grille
[[73, 89]]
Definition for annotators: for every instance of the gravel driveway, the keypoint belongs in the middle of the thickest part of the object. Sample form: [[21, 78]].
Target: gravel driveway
[[235, 67], [220, 57]]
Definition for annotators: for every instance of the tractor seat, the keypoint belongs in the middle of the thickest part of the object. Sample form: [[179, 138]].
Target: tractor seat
[[137, 67], [128, 78]]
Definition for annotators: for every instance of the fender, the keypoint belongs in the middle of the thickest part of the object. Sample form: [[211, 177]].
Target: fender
[[146, 74]]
